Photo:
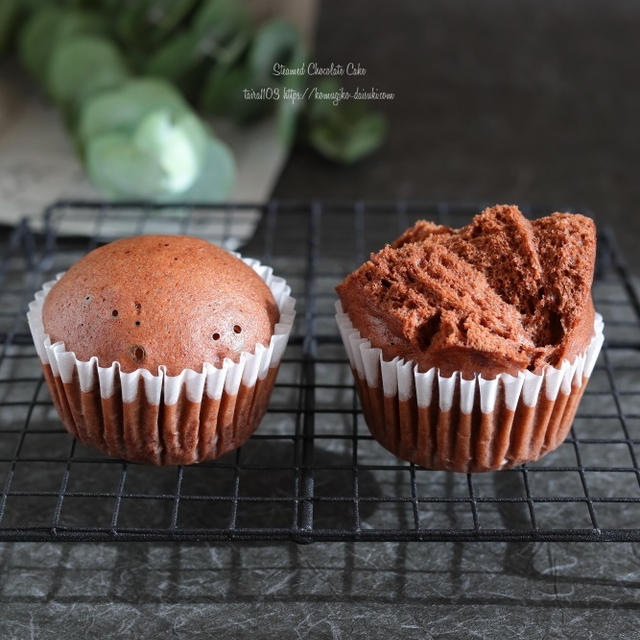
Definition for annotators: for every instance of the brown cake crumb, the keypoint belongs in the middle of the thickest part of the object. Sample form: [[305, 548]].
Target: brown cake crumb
[[420, 231], [501, 294]]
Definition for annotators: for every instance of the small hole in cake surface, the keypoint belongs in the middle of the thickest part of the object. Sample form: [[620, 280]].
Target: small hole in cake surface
[[216, 336], [556, 330], [137, 323], [88, 298], [427, 330], [237, 328], [138, 306], [114, 313], [137, 352]]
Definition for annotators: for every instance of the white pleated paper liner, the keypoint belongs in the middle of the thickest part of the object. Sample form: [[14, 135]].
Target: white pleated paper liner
[[104, 406], [420, 416]]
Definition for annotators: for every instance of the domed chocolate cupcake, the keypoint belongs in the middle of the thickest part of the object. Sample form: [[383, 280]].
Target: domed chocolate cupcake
[[162, 349], [471, 347]]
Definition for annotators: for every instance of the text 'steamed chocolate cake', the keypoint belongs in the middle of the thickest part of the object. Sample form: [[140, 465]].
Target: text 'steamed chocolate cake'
[[502, 295], [162, 349]]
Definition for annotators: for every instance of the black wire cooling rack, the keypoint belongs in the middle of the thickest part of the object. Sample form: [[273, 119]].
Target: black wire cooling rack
[[312, 471]]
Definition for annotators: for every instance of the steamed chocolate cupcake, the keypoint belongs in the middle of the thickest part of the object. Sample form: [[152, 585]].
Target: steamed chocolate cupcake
[[492, 320], [162, 349]]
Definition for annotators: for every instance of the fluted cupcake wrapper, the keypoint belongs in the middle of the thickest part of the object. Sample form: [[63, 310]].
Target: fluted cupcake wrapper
[[156, 418], [463, 425]]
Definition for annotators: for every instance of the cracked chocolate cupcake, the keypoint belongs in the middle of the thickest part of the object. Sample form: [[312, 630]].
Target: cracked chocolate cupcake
[[162, 349], [472, 347]]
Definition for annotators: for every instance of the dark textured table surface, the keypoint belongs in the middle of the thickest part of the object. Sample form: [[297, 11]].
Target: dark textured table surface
[[496, 101]]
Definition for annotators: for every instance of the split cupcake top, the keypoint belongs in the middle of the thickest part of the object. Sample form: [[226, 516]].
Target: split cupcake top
[[501, 294], [158, 300]]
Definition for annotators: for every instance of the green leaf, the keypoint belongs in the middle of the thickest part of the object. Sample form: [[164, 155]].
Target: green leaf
[[48, 27], [349, 135], [220, 20], [36, 40], [345, 132], [216, 179], [178, 146], [9, 15], [276, 41], [120, 170], [223, 95], [166, 15], [83, 66], [176, 58], [146, 23], [219, 34], [162, 157], [183, 60], [163, 16], [121, 109]]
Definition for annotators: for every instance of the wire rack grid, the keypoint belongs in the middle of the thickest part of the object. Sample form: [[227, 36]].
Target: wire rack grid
[[312, 471]]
